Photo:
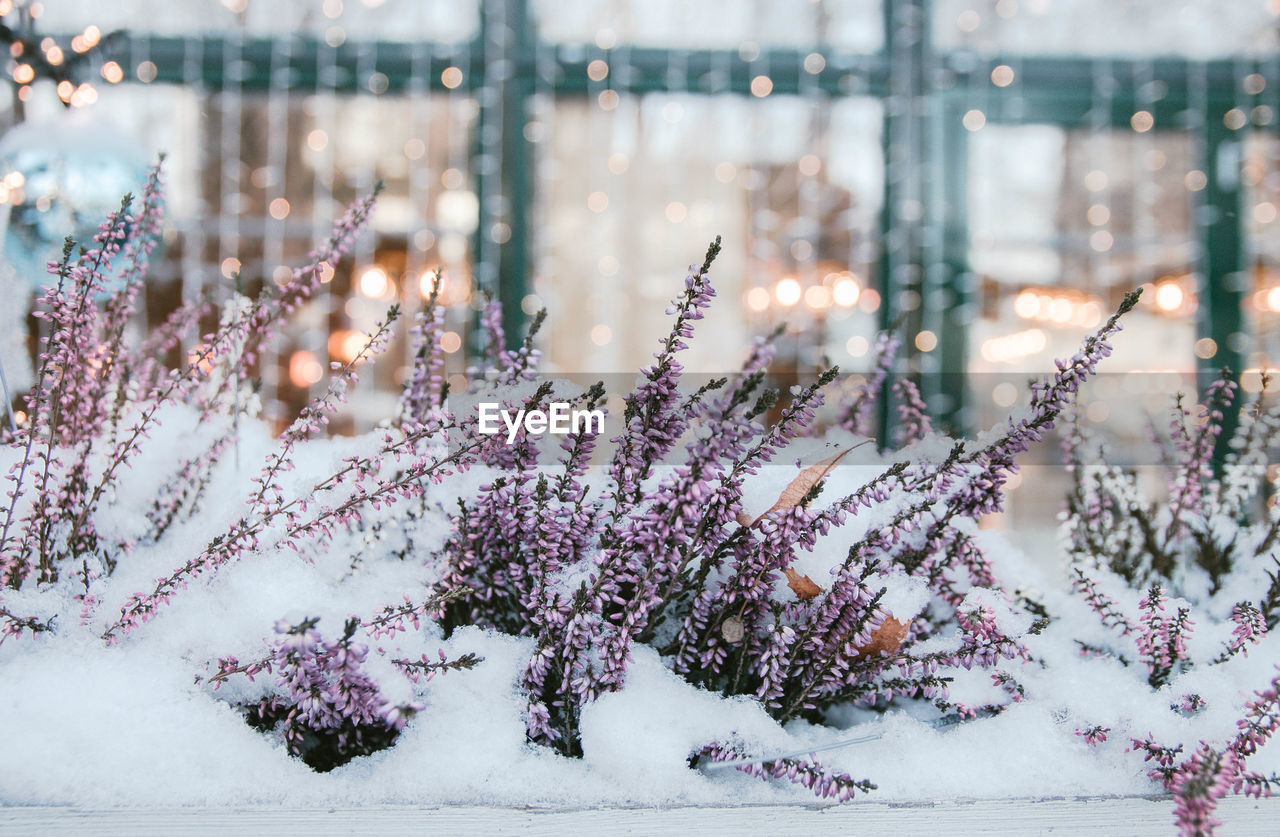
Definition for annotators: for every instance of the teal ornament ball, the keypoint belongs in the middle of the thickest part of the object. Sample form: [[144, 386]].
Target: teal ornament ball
[[61, 178]]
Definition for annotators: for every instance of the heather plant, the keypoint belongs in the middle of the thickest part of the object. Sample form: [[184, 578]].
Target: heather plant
[[646, 536], [326, 707], [99, 397], [662, 552], [1200, 562]]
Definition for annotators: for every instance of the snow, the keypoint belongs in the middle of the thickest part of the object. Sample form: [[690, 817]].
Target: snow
[[135, 725]]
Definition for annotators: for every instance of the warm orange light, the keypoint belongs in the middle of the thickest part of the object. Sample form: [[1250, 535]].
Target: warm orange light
[[455, 288], [1060, 306], [112, 72], [787, 291], [1014, 346], [1060, 310], [85, 94], [346, 344], [1026, 305], [1088, 315], [198, 357], [1169, 296], [304, 369], [375, 284], [845, 292], [817, 297], [757, 299]]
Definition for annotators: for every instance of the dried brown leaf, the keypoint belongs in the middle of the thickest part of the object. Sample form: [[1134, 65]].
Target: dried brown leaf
[[803, 586], [887, 638], [804, 482]]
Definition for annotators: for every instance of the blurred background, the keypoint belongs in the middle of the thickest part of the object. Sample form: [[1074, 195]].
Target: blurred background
[[992, 175]]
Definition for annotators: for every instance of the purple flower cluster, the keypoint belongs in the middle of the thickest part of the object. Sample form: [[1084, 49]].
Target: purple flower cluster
[[1249, 629], [1187, 481], [424, 391], [913, 416], [1162, 639], [13, 626], [1199, 538], [1197, 785], [840, 787], [80, 397], [1094, 735], [857, 412], [99, 395], [1211, 773], [290, 520], [330, 710], [394, 619]]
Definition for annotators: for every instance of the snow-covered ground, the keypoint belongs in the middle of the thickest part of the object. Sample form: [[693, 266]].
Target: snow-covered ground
[[138, 724]]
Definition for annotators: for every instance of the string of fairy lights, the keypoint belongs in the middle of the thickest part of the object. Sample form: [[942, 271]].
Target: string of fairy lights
[[1128, 227], [809, 239]]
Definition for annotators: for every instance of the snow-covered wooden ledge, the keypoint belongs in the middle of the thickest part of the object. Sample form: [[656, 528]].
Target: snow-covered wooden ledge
[[1136, 816]]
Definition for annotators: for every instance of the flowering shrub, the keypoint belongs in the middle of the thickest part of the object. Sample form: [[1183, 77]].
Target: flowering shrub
[[330, 709], [97, 399], [650, 539], [681, 566], [1200, 561]]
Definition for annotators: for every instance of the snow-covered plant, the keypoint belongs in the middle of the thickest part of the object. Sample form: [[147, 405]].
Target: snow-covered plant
[[1211, 772], [327, 708], [330, 710], [101, 394], [79, 397], [588, 552], [664, 553], [98, 396], [1185, 580]]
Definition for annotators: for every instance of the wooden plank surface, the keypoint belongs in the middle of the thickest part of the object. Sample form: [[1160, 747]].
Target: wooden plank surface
[[1105, 816]]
